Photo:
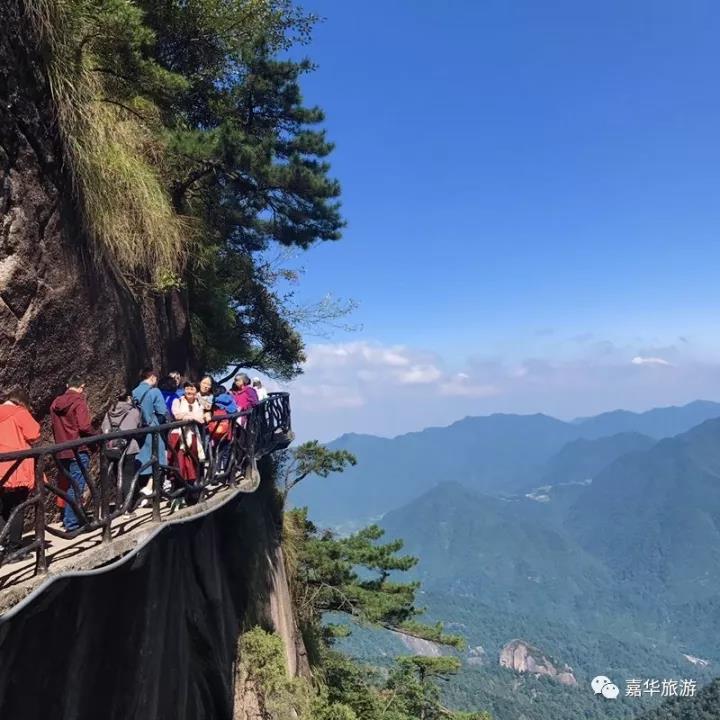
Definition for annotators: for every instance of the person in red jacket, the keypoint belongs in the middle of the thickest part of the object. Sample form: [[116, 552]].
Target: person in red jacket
[[70, 419], [18, 431]]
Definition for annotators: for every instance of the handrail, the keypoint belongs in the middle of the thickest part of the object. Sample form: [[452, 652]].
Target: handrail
[[214, 461], [45, 448]]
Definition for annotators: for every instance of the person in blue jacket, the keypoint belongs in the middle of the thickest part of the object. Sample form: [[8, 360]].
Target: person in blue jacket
[[154, 412], [224, 400]]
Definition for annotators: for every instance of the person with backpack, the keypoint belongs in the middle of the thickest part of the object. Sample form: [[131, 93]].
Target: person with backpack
[[18, 431], [224, 400], [123, 415], [221, 431], [153, 411], [70, 418]]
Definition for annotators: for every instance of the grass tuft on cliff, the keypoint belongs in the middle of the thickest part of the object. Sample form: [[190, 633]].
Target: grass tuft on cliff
[[193, 160], [112, 135]]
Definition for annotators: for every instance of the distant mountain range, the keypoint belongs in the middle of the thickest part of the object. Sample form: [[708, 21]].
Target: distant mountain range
[[655, 515], [611, 563], [497, 454], [639, 545], [657, 423]]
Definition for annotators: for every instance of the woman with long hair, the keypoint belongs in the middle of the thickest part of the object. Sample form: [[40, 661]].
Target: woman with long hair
[[205, 395]]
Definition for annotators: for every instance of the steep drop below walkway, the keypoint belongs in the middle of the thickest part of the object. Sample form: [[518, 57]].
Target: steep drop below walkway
[[155, 637]]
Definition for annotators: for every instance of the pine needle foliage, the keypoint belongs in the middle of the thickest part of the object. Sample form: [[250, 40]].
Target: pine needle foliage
[[193, 159]]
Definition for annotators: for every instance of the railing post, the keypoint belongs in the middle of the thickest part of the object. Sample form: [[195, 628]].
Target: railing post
[[40, 558], [157, 482], [104, 466]]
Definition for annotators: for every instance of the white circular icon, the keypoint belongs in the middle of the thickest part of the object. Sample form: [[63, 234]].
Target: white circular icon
[[599, 683], [610, 691]]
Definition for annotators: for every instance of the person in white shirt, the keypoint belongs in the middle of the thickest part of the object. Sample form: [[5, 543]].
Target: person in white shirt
[[186, 443], [261, 392]]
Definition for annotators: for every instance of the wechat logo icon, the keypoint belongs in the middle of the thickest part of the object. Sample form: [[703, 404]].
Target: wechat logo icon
[[604, 686]]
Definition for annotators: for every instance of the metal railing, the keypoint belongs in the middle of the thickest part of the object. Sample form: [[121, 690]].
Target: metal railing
[[223, 452]]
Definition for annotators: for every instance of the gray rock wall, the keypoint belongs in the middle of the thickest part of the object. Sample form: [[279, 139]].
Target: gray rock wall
[[60, 313]]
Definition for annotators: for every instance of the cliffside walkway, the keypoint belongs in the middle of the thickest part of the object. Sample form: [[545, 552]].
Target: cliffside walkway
[[108, 530]]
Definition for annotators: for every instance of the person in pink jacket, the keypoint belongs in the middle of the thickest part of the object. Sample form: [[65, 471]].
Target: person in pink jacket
[[244, 393]]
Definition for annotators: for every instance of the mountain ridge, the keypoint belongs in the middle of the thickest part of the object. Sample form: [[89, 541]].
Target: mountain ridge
[[502, 453]]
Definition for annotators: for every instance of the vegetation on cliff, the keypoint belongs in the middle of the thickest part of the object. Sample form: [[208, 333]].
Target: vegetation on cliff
[[192, 155], [357, 578]]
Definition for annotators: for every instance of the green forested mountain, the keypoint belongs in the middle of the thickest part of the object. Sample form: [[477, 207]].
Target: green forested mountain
[[706, 706], [654, 517], [617, 576], [611, 566], [498, 550], [581, 459], [515, 556], [498, 454]]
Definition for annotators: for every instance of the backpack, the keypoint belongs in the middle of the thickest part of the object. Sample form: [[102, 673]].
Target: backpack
[[138, 405], [116, 447], [220, 429]]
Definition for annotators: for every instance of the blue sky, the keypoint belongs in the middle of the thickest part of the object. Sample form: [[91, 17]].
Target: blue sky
[[527, 185]]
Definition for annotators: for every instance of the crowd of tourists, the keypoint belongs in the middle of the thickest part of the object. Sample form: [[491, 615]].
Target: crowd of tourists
[[155, 401]]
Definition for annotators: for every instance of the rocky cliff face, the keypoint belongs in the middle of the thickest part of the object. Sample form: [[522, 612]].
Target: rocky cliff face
[[419, 646], [59, 312], [158, 636], [522, 657]]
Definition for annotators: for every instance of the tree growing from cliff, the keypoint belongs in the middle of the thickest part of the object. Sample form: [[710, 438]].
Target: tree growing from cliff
[[353, 576], [357, 576], [413, 689], [310, 458], [248, 160], [193, 155]]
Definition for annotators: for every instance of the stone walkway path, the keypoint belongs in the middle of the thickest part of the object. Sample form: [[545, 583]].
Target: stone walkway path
[[87, 551]]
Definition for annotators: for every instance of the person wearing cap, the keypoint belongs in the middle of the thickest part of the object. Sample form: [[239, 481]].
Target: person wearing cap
[[260, 391]]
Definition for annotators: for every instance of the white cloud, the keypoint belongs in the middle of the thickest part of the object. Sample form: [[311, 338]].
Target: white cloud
[[419, 375], [461, 385], [640, 360], [324, 396], [370, 387], [328, 355]]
